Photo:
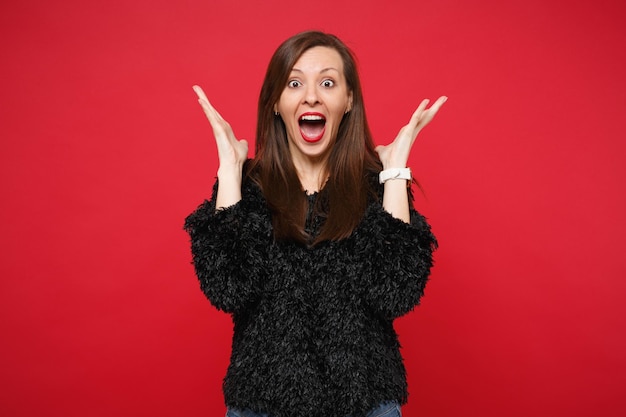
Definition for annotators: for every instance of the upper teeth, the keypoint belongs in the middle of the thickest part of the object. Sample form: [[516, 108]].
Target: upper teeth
[[311, 117]]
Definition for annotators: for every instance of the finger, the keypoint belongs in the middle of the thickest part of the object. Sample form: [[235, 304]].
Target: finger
[[437, 104], [202, 98], [209, 111], [199, 92], [417, 114], [429, 114], [422, 105], [215, 118], [204, 101]]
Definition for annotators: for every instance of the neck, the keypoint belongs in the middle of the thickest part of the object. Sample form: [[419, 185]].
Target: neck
[[311, 174]]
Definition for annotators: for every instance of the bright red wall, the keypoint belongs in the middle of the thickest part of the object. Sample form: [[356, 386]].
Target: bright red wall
[[104, 151]]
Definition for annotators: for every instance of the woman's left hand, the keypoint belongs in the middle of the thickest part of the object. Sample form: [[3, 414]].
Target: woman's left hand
[[396, 154]]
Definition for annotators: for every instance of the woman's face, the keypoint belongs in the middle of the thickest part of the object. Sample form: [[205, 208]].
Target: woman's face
[[313, 103]]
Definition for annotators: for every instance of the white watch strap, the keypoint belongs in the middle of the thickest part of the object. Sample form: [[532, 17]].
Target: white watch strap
[[394, 174]]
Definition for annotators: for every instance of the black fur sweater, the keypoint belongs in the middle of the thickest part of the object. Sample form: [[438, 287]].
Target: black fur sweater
[[313, 327]]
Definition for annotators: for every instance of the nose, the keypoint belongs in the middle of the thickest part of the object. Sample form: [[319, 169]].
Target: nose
[[311, 96]]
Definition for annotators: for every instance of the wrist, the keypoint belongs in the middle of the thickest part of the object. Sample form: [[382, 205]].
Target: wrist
[[226, 172], [389, 174]]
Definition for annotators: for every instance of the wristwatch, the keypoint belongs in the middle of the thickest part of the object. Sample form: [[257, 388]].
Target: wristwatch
[[394, 174]]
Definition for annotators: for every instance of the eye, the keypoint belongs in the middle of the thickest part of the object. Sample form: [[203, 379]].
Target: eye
[[328, 83], [294, 84]]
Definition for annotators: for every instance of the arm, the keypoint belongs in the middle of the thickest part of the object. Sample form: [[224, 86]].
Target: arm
[[396, 155], [396, 257], [230, 233], [232, 154], [395, 241], [230, 248]]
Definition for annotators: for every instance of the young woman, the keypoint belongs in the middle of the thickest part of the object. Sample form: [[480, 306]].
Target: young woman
[[313, 245]]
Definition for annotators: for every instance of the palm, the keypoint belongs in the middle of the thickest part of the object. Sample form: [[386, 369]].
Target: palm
[[230, 150], [396, 154]]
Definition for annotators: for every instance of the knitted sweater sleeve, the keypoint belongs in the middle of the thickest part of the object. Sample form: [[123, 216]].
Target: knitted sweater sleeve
[[229, 248], [397, 260]]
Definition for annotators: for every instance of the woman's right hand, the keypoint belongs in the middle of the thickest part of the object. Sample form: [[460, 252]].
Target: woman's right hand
[[232, 154]]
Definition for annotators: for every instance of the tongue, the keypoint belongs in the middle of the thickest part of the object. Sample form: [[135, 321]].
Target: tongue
[[312, 131]]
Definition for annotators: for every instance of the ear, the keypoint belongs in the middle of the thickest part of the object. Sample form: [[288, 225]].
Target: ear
[[350, 95]]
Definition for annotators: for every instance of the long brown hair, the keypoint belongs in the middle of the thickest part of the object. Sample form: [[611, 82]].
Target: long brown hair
[[351, 161]]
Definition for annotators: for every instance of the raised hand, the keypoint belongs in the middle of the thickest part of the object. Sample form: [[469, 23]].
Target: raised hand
[[232, 154], [396, 154]]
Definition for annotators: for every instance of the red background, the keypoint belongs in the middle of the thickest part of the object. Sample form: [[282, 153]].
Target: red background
[[104, 151]]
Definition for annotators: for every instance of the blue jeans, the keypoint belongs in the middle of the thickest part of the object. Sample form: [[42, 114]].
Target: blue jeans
[[387, 409]]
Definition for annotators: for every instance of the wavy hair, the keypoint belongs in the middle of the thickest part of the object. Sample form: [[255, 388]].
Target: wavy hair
[[349, 167]]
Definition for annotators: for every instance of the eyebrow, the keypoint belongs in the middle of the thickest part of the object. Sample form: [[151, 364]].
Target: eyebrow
[[321, 72]]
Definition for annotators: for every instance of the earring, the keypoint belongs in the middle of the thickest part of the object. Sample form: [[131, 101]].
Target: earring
[[276, 113]]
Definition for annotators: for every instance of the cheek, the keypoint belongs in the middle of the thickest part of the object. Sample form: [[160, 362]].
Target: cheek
[[339, 112], [339, 104], [287, 101], [292, 128]]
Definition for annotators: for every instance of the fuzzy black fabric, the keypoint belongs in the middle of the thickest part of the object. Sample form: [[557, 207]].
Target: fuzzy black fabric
[[313, 327]]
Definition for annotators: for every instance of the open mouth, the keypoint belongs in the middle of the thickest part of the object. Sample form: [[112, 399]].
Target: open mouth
[[312, 126]]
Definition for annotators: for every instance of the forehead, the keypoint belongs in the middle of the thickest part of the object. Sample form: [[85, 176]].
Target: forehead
[[318, 59]]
